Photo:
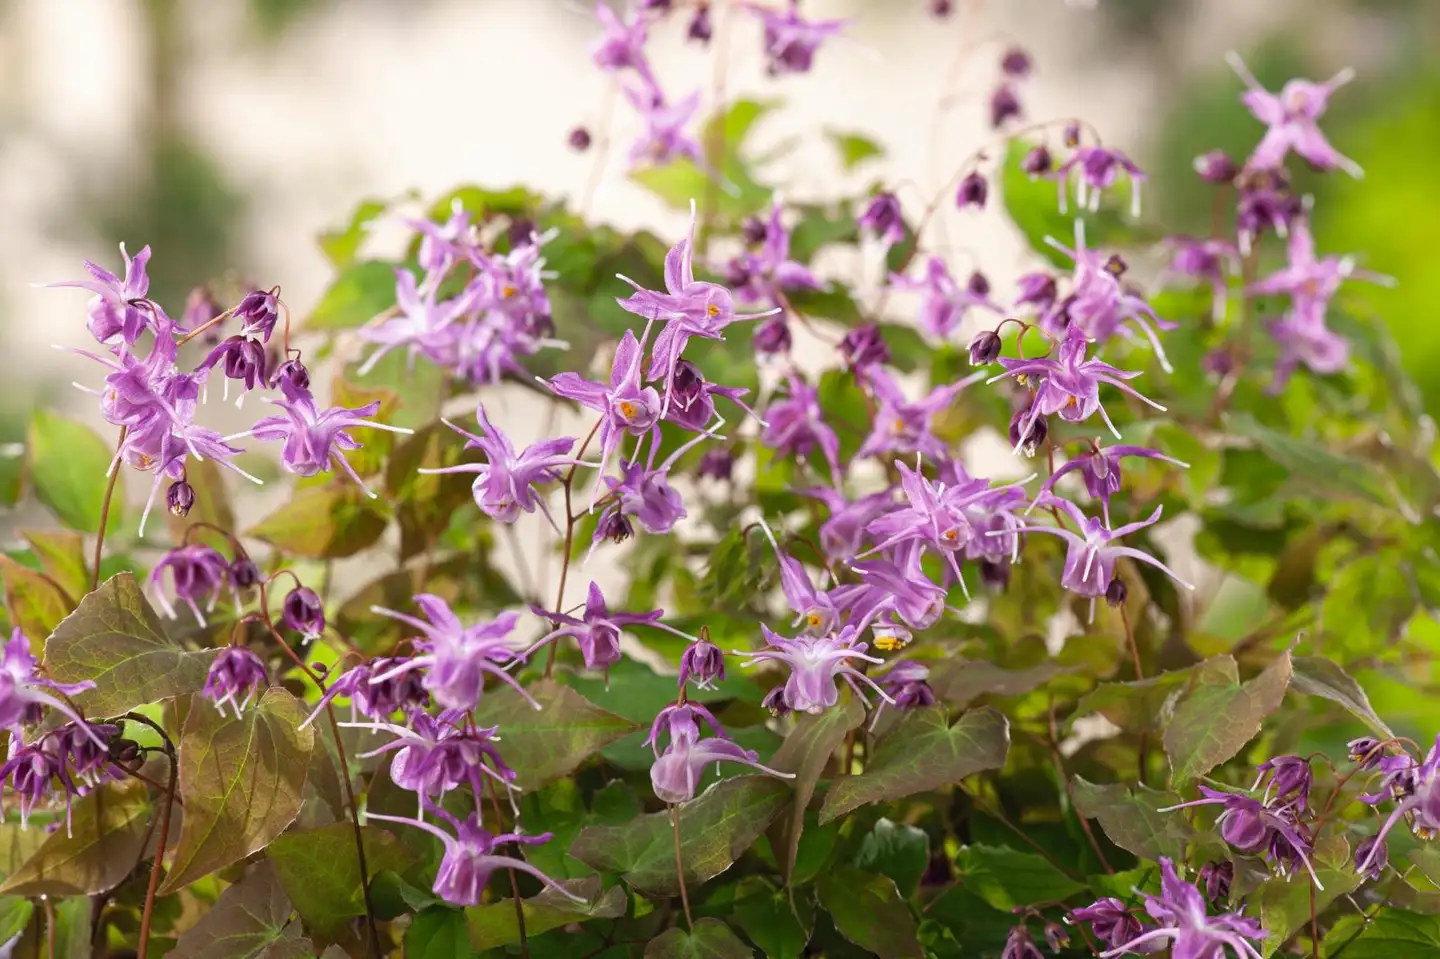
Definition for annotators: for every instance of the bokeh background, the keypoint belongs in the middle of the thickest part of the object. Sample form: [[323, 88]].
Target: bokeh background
[[228, 134]]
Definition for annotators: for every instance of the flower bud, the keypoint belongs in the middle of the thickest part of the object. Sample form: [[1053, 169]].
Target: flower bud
[[124, 750], [941, 8], [1037, 289], [702, 663], [180, 497], [978, 284], [775, 702], [1037, 162], [995, 576], [1117, 592], [771, 337], [1216, 167], [1371, 855], [1004, 105], [985, 348], [579, 139], [258, 313], [1244, 827], [1072, 135], [1057, 937], [1367, 751], [1215, 878], [235, 676], [200, 308], [1015, 63], [754, 230], [701, 29], [614, 526], [1037, 429], [884, 218], [973, 191], [520, 232], [1116, 265], [717, 463], [244, 573], [863, 347], [304, 613], [291, 376]]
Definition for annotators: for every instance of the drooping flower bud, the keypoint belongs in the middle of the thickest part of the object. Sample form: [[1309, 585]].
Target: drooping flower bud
[[717, 463], [1290, 778], [258, 314], [291, 376], [1038, 289], [180, 497], [864, 347], [1116, 593], [1004, 105], [614, 526], [978, 284], [579, 139], [244, 360], [1015, 63], [1036, 430], [941, 8], [1215, 879], [754, 230], [1216, 167], [700, 29], [1037, 162], [883, 218], [234, 678], [1372, 854], [995, 575], [703, 663], [973, 191], [771, 337], [1019, 945], [985, 348], [907, 682], [1367, 751], [1071, 135], [304, 613], [244, 574], [1057, 937], [775, 702]]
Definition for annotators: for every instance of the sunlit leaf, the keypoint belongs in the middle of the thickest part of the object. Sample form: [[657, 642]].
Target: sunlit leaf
[[324, 522], [494, 924], [361, 292], [961, 682], [376, 445], [320, 870], [342, 244], [854, 148], [106, 835], [35, 602], [250, 920], [240, 780], [1147, 703], [896, 850], [68, 466], [1215, 720], [62, 558]]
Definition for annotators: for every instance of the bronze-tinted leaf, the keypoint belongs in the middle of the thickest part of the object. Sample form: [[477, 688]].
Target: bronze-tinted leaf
[[545, 744], [425, 502], [806, 752], [62, 558], [320, 870], [960, 682], [1215, 720], [716, 827], [105, 839], [923, 752], [241, 781], [710, 939], [35, 602], [250, 920], [115, 640], [1132, 820], [1146, 704], [376, 445], [494, 924], [324, 522]]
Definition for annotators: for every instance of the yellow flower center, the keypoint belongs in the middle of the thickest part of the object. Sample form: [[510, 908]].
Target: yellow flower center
[[508, 291], [814, 620], [627, 410], [712, 310]]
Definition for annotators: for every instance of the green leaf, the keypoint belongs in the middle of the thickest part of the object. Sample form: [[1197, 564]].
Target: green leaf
[[548, 743], [18, 845], [766, 915], [241, 782], [493, 924], [62, 558], [341, 245], [869, 911], [321, 872], [1313, 467], [34, 601], [115, 640], [250, 920], [1006, 878], [895, 850], [960, 682], [438, 933], [361, 292], [1034, 206], [1318, 676], [680, 181], [710, 939], [324, 522], [806, 752], [923, 752], [425, 503], [12, 473], [1215, 721], [106, 836], [15, 913], [1132, 821], [73, 929], [715, 829], [1146, 704], [370, 458], [854, 148], [1285, 903], [1395, 933], [212, 505], [68, 463]]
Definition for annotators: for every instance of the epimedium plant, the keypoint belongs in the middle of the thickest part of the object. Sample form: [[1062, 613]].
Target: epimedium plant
[[848, 697]]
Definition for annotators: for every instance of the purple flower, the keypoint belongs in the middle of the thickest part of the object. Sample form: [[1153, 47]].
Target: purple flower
[[1110, 920], [770, 270], [1216, 878], [817, 665], [419, 323], [843, 534], [1216, 167], [1206, 261], [676, 771], [864, 346], [902, 427], [692, 403], [664, 138], [376, 699], [813, 608], [973, 191], [985, 348], [243, 358], [622, 45], [700, 29], [1310, 282], [771, 338], [258, 313], [1037, 289], [895, 596], [1099, 168], [119, 312], [455, 657], [1100, 469], [505, 485], [794, 426], [717, 464], [1289, 778], [1180, 910], [1070, 384], [1004, 105], [1367, 751], [469, 858], [439, 753], [1037, 162], [197, 574], [30, 772], [1099, 303], [1019, 945], [24, 695], [1416, 791], [314, 439], [1265, 203], [1291, 118], [235, 676], [907, 683], [1306, 340], [1252, 826], [1371, 857], [598, 631], [180, 498], [1090, 558], [304, 612], [702, 663], [790, 40], [943, 302], [442, 245], [883, 219]]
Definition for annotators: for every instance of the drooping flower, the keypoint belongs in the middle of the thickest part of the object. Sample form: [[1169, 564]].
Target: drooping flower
[[1110, 921], [436, 754], [842, 536], [814, 609], [795, 426], [817, 665], [864, 346], [442, 245], [883, 219], [1100, 469], [1208, 261], [1019, 945], [894, 595], [903, 427], [762, 275], [702, 663], [664, 138], [1415, 787], [376, 699], [692, 399], [790, 40], [24, 695], [1269, 828], [676, 771], [1099, 168], [304, 612], [1286, 778], [470, 859], [1184, 923], [1303, 340], [197, 574], [119, 312], [907, 682], [943, 302], [622, 45], [597, 632], [1292, 120], [235, 676], [505, 484]]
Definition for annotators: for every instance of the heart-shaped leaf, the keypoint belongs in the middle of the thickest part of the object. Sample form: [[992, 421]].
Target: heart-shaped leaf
[[1132, 820], [320, 870], [1216, 719], [68, 463], [710, 939], [250, 920], [806, 752], [106, 835], [494, 924], [324, 522], [867, 910], [545, 744], [1318, 676]]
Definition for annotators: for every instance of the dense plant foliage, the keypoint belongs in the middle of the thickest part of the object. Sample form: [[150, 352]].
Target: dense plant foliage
[[835, 689]]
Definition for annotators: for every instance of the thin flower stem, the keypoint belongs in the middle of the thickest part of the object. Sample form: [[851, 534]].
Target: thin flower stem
[[208, 324], [1143, 759], [105, 510], [514, 882], [1314, 925], [999, 816], [570, 519], [50, 926], [170, 799], [1053, 742], [680, 867]]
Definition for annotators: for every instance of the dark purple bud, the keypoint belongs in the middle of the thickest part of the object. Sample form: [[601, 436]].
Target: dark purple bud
[[978, 284], [291, 375], [1244, 827], [1117, 592], [521, 232], [655, 4], [1216, 167], [180, 497], [771, 337], [1218, 362], [614, 527], [235, 676], [244, 573], [1367, 751], [1057, 937], [304, 612], [701, 29], [1290, 778], [1215, 878], [985, 348], [1038, 289], [995, 576], [1036, 430], [907, 682], [124, 750], [702, 663], [973, 190], [1071, 135], [1037, 162], [688, 384], [243, 358], [1004, 105], [258, 313], [1015, 63], [941, 8], [1018, 945], [717, 463], [775, 702], [883, 218], [1371, 856], [754, 230], [864, 347], [580, 139]]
